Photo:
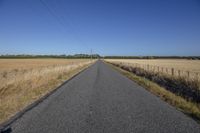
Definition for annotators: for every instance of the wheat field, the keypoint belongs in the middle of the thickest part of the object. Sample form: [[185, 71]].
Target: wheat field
[[181, 67], [181, 64], [22, 81]]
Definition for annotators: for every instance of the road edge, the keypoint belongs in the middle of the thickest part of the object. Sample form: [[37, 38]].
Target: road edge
[[5, 126]]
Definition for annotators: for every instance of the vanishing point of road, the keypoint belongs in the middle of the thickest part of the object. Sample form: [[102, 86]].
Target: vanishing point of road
[[101, 100]]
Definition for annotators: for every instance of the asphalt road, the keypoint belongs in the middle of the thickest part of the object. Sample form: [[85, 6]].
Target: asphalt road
[[101, 100]]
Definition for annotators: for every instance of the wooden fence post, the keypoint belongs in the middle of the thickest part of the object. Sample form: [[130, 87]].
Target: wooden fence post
[[148, 67], [188, 74], [172, 71], [162, 69]]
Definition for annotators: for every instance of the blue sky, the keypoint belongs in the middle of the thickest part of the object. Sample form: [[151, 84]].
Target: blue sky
[[108, 27]]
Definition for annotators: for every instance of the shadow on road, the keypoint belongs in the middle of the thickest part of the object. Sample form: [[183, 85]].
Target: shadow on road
[[7, 130]]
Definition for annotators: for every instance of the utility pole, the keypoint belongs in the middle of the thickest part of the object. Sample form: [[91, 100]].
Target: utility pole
[[91, 54]]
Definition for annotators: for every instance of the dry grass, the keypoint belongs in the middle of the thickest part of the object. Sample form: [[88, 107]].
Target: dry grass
[[188, 69], [180, 64], [19, 64], [188, 89], [25, 80], [188, 107]]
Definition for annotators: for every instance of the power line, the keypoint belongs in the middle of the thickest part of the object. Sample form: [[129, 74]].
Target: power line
[[60, 20], [52, 12]]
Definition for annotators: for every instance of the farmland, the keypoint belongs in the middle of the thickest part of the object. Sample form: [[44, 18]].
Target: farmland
[[178, 70], [25, 80], [181, 66], [179, 76]]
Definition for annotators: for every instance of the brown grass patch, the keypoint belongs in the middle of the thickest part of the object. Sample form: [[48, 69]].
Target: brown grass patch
[[179, 64], [177, 67], [21, 85]]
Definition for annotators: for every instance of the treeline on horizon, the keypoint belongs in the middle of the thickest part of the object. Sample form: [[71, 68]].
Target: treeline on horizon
[[153, 57], [76, 56], [87, 56]]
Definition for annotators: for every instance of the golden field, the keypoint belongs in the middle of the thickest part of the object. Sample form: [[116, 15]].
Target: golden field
[[22, 81], [181, 66]]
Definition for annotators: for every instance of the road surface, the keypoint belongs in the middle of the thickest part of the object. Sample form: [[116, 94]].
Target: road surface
[[101, 100]]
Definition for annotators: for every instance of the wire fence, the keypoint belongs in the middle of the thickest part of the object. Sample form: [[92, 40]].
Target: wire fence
[[166, 70]]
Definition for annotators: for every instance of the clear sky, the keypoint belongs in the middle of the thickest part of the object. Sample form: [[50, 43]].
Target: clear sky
[[108, 27]]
